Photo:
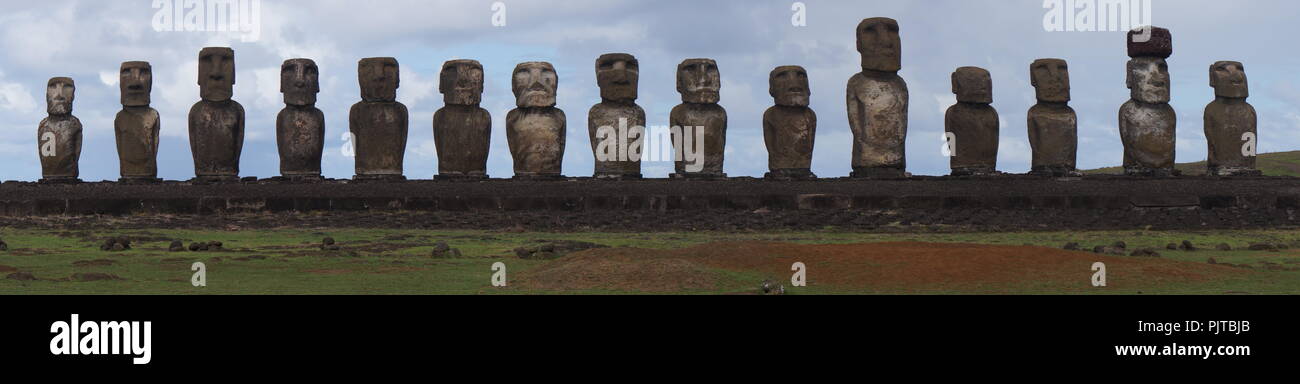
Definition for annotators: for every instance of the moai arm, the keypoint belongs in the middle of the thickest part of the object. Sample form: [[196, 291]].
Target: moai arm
[[404, 120], [239, 132], [854, 106]]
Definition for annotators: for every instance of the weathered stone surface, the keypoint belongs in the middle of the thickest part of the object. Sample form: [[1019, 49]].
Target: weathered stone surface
[[616, 126], [536, 129], [58, 136], [462, 131], [300, 126], [789, 127], [137, 126], [216, 123], [378, 122], [1147, 122], [1159, 43], [877, 101], [1053, 125], [974, 123], [1230, 122], [702, 140]]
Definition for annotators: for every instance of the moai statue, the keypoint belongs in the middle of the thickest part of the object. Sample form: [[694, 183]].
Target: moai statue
[[535, 130], [701, 143], [216, 122], [789, 127], [378, 122], [300, 126], [1147, 122], [877, 102], [137, 125], [972, 124], [59, 135], [462, 131], [617, 125], [1230, 123], [1053, 125]]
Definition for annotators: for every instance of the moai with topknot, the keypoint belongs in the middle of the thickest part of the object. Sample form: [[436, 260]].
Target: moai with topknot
[[972, 124], [616, 126], [59, 135], [699, 124], [790, 126], [216, 123], [462, 131], [137, 125], [878, 101], [300, 126], [1147, 122], [378, 122], [1230, 123], [536, 129], [1053, 125]]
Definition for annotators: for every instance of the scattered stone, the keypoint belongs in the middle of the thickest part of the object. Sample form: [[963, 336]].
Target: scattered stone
[[1172, 247], [443, 251], [1212, 261], [1071, 246], [3, 246], [770, 288], [1187, 246], [176, 246], [1223, 247], [1263, 247], [328, 244], [1108, 250], [198, 247], [94, 276], [1145, 252], [116, 244], [554, 249], [21, 276], [1120, 245], [1282, 246], [328, 241]]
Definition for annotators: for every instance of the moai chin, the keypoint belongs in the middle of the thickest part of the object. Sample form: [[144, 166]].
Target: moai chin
[[972, 123], [59, 136], [462, 130], [1053, 125], [535, 130], [1146, 122], [137, 125], [300, 126], [216, 123], [378, 122], [877, 102], [1230, 123], [699, 124], [616, 126], [789, 127]]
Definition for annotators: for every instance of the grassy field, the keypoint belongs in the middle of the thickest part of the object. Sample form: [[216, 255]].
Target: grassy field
[[289, 261], [1272, 164]]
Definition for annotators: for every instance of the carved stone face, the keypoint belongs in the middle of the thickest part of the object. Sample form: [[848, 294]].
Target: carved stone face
[[617, 74], [461, 82], [59, 93], [698, 81], [972, 85], [216, 73], [1229, 80], [1051, 80], [136, 82], [1148, 78], [880, 45], [379, 79], [535, 85], [299, 81], [788, 86]]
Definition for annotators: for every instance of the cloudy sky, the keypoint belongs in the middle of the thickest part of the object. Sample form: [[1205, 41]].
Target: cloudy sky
[[87, 40]]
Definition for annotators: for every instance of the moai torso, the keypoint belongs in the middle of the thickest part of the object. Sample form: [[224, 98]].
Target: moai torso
[[216, 123], [789, 127], [1230, 123], [973, 123], [379, 123], [616, 126], [703, 123], [1147, 123], [536, 129], [300, 126], [877, 102], [462, 130], [137, 126], [58, 136], [1053, 125]]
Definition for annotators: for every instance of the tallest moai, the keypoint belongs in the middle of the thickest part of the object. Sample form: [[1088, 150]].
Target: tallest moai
[[1146, 122], [877, 102]]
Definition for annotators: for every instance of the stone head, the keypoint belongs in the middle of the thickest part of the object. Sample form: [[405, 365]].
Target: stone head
[[59, 94], [1051, 80], [535, 84], [788, 86], [299, 81], [379, 79], [972, 85], [461, 82], [216, 73], [1148, 79], [699, 81], [879, 44], [136, 82], [617, 74], [1228, 78]]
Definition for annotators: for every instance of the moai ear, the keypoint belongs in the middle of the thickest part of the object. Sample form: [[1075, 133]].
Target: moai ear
[[956, 87], [1128, 75]]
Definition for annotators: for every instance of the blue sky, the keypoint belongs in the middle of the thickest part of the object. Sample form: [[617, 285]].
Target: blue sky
[[87, 40]]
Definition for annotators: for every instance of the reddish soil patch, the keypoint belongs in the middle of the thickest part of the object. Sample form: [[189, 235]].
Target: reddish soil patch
[[94, 276], [878, 267], [93, 263], [6, 268]]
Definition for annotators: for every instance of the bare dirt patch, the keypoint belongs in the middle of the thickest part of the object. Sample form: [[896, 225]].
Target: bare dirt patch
[[6, 268], [93, 263]]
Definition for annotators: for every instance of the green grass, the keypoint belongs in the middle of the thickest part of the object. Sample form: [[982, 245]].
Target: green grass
[[1272, 164], [398, 262]]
